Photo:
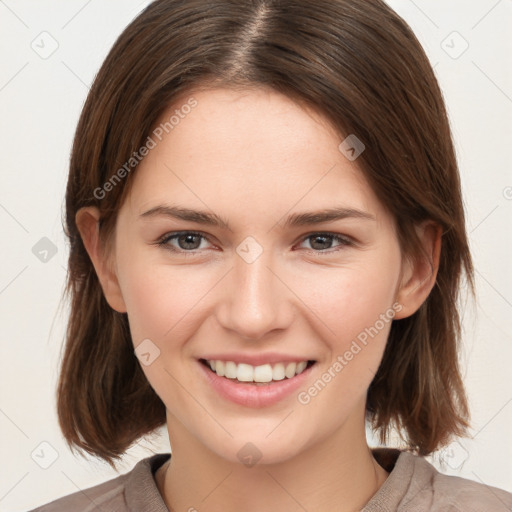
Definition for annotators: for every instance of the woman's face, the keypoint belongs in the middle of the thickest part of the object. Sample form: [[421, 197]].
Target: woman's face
[[284, 255]]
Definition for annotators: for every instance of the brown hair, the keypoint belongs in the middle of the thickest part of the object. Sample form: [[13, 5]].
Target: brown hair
[[356, 62]]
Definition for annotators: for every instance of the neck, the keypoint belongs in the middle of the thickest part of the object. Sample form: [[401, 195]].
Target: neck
[[338, 473]]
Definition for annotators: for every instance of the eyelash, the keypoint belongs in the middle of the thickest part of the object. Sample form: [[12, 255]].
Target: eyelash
[[342, 240]]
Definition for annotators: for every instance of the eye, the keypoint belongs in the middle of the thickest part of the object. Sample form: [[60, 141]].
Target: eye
[[191, 241], [184, 241], [321, 242]]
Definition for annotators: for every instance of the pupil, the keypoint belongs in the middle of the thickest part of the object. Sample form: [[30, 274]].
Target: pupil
[[187, 241], [324, 244]]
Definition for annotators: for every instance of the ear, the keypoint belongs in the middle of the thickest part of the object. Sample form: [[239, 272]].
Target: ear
[[87, 221], [419, 274]]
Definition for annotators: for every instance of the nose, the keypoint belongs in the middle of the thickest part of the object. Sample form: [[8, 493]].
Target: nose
[[255, 300]]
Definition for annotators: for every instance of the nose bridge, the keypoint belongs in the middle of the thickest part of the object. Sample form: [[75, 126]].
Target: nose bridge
[[255, 302]]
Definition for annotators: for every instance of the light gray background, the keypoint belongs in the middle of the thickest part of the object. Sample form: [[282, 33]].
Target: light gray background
[[40, 101]]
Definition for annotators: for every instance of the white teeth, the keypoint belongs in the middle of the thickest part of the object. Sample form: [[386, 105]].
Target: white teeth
[[300, 367], [219, 368], [230, 370], [244, 372], [278, 372], [264, 373], [290, 370]]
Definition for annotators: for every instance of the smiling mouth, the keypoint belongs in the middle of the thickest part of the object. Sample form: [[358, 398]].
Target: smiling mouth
[[258, 375]]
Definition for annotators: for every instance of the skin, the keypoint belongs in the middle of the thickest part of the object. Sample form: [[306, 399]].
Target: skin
[[254, 157]]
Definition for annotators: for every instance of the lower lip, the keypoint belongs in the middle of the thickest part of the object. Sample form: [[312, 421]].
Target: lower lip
[[251, 395]]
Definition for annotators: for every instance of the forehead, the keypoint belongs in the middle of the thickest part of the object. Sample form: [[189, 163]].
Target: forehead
[[253, 149]]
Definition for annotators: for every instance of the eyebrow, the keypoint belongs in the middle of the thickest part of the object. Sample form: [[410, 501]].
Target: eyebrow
[[293, 220]]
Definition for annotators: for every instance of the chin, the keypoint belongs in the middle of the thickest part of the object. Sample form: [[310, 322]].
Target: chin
[[259, 451]]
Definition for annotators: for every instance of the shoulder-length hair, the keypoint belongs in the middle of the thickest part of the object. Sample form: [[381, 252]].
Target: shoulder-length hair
[[356, 62]]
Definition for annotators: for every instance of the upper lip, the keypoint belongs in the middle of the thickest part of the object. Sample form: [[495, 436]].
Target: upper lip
[[256, 359]]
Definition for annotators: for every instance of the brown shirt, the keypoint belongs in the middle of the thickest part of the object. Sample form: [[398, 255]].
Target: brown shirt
[[413, 485]]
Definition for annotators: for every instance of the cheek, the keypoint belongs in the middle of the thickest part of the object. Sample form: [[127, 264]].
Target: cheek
[[162, 301], [164, 305], [351, 298], [356, 306]]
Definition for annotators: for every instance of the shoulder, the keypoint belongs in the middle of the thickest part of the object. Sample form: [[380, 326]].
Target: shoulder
[[447, 492], [135, 490], [415, 485], [109, 494]]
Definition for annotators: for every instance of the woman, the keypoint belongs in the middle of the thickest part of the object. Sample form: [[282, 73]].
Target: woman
[[267, 242]]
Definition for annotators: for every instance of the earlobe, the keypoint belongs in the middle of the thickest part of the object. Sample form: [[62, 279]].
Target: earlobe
[[87, 221], [419, 274]]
